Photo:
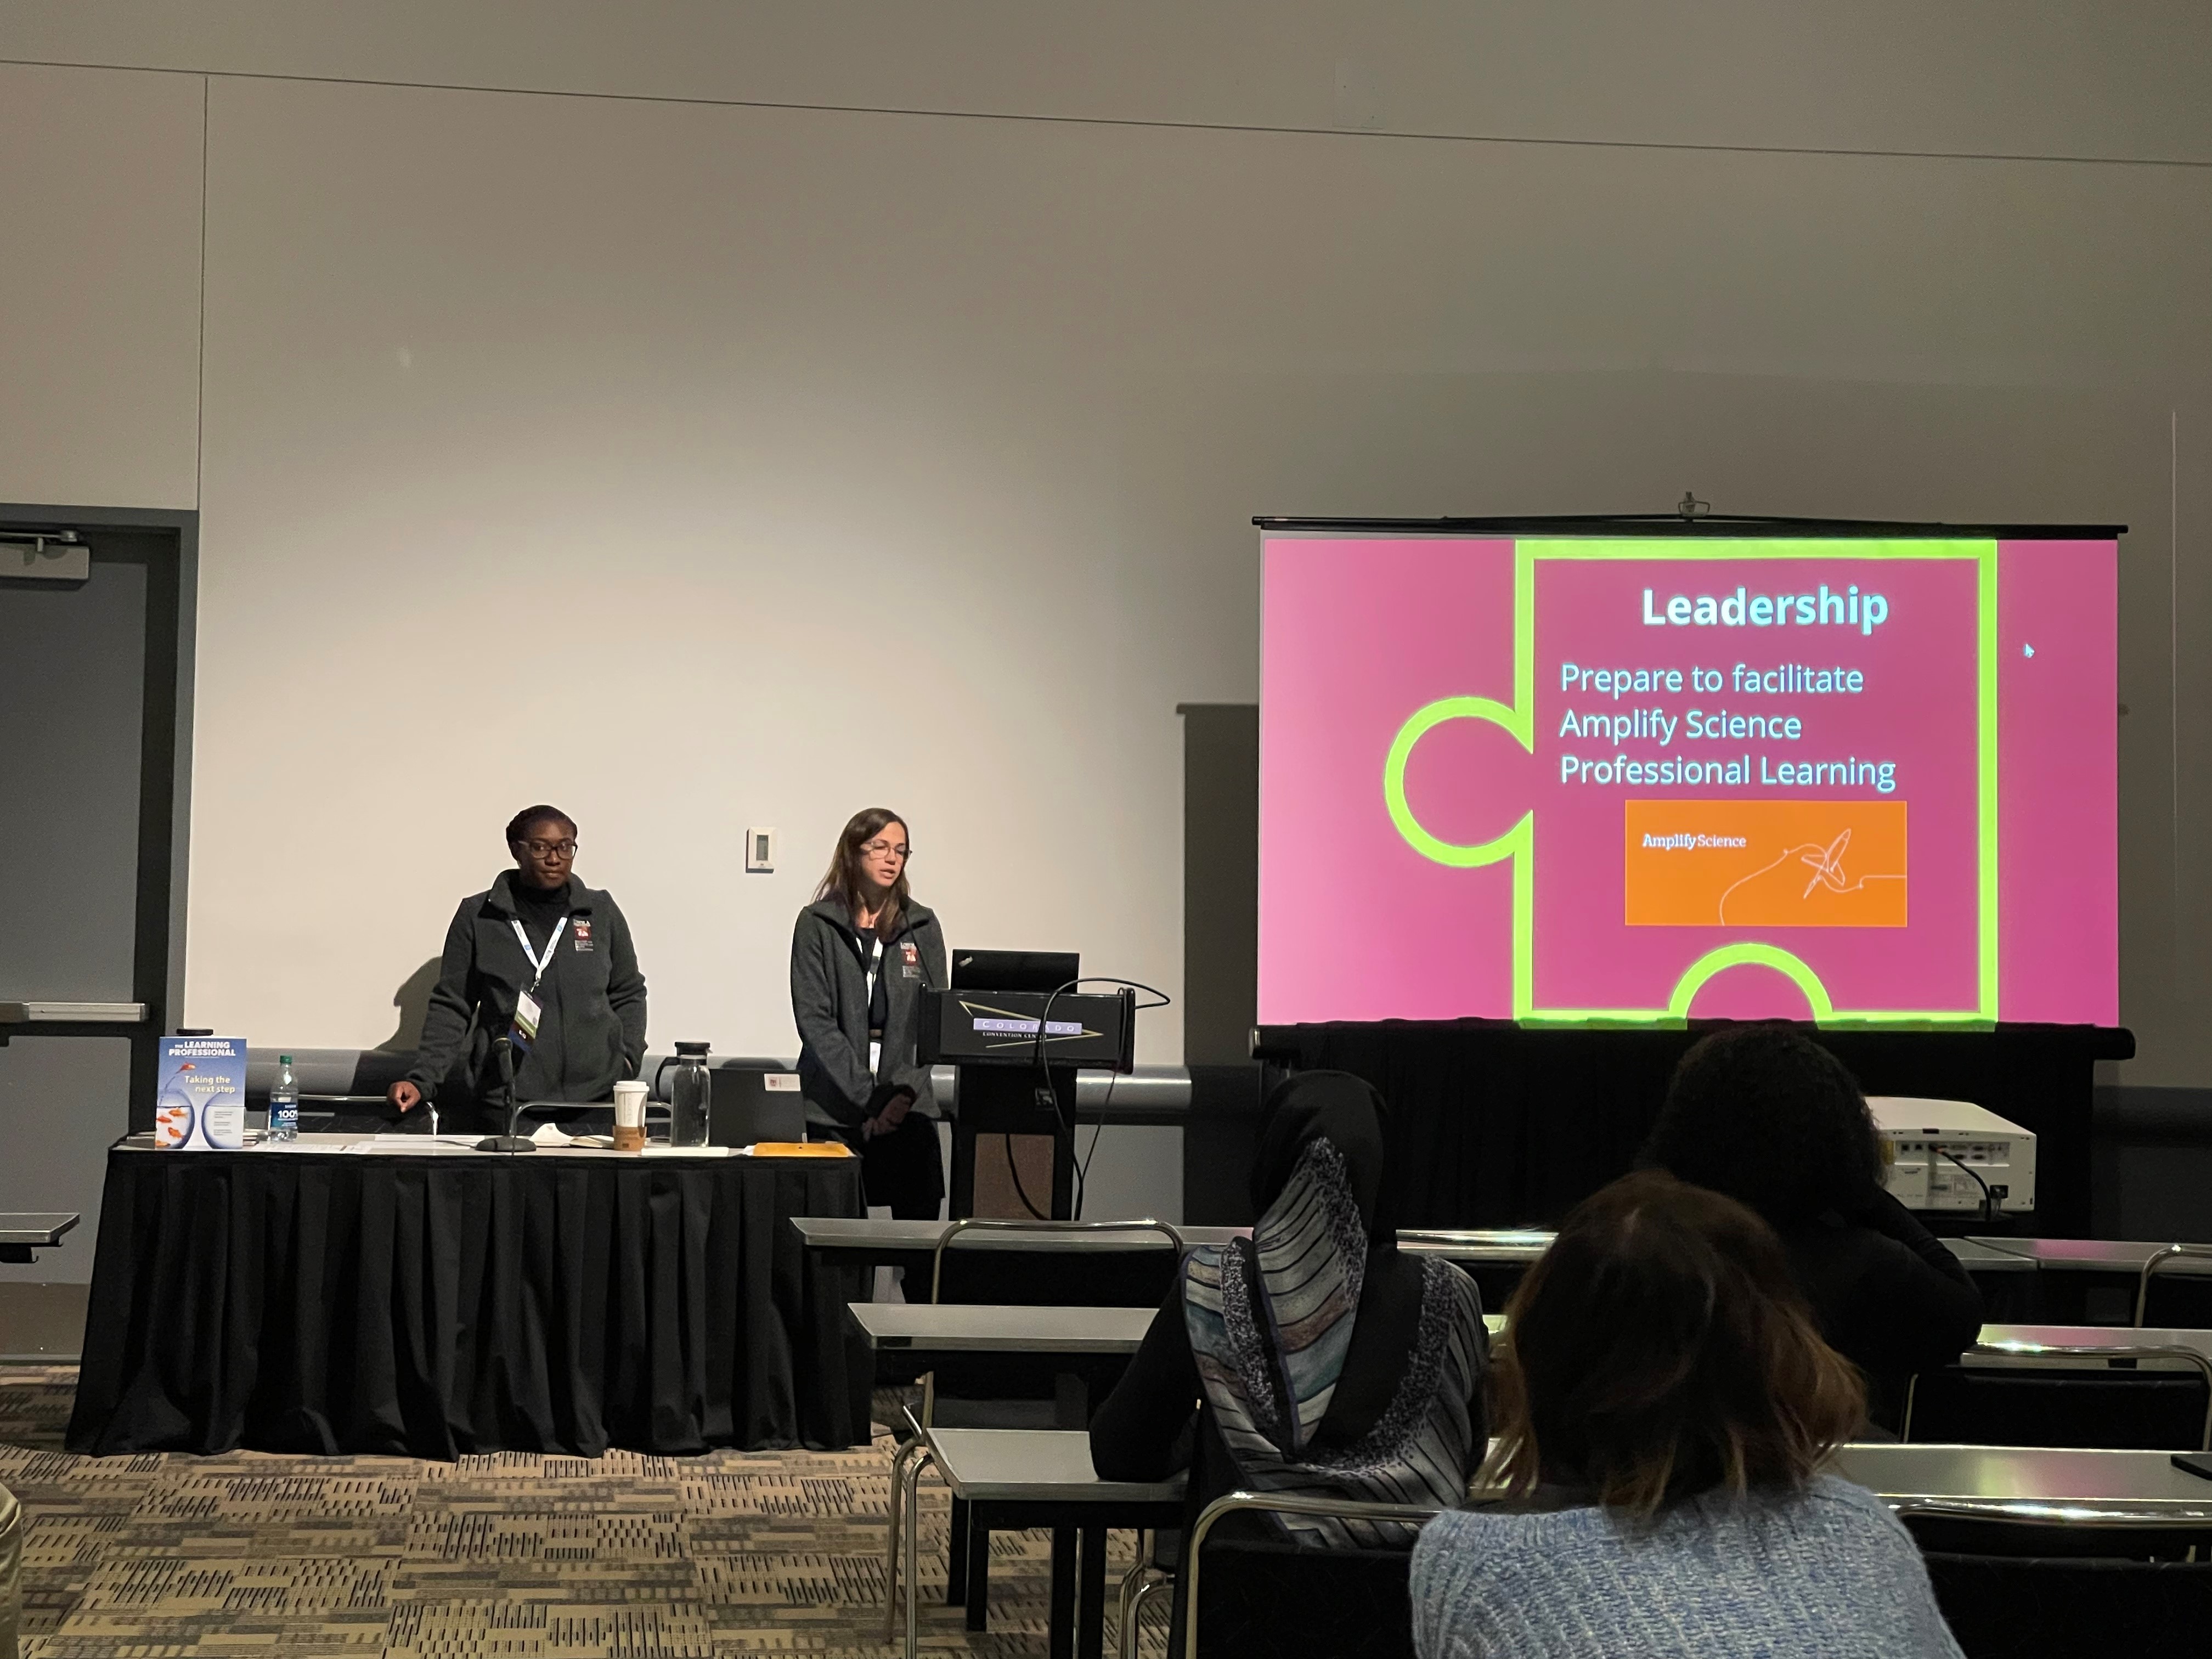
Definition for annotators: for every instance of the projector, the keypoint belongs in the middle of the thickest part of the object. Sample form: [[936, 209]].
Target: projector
[[1924, 1142]]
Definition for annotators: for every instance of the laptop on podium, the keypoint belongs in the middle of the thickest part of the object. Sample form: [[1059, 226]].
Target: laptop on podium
[[1042, 971]]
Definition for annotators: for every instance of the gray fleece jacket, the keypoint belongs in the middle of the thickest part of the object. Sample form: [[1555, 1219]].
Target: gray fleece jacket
[[594, 997], [829, 1002]]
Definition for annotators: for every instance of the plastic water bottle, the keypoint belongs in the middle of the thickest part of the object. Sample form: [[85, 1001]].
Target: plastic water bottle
[[284, 1103]]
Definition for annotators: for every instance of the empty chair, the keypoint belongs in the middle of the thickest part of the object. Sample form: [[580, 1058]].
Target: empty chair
[[2167, 1287], [998, 1394], [2053, 1581], [1261, 1597], [2016, 1607], [2148, 1395]]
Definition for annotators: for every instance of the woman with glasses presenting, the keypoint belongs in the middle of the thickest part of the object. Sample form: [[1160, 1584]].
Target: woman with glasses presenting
[[861, 955], [544, 961]]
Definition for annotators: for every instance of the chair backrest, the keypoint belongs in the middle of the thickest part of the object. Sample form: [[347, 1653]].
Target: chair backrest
[[2026, 1606], [2015, 1397], [1106, 1279], [1268, 1596], [1002, 1393], [2160, 1261]]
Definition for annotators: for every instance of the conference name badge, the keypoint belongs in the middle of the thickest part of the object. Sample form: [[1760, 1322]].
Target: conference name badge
[[527, 1016]]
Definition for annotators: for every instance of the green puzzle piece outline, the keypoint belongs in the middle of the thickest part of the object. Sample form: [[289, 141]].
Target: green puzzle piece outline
[[1518, 845]]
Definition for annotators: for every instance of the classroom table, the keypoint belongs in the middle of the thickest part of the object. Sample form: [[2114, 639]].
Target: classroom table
[[2078, 1278], [868, 1242], [2095, 1256], [874, 1242], [908, 1339], [1979, 1256], [2030, 1483], [23, 1233], [1521, 1247], [1488, 1247], [338, 1296], [2093, 1338], [1012, 1479]]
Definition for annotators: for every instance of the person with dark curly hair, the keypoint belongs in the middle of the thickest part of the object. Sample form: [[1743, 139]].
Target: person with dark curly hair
[[1769, 1117]]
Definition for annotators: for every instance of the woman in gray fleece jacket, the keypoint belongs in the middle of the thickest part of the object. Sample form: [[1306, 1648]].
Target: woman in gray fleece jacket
[[1666, 1403], [861, 955]]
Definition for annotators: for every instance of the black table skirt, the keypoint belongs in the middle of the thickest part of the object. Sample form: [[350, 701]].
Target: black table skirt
[[1492, 1125], [434, 1306]]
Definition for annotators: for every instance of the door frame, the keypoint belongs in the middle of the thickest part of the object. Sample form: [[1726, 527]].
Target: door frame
[[165, 795]]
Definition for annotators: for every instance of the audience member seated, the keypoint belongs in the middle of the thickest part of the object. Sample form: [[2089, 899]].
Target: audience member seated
[[1665, 1403], [1774, 1121], [1313, 1358]]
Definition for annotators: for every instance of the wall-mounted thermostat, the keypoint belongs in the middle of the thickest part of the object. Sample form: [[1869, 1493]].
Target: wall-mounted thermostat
[[760, 849]]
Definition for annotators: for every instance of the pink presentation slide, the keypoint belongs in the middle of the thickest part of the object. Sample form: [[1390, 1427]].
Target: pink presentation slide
[[1647, 779]]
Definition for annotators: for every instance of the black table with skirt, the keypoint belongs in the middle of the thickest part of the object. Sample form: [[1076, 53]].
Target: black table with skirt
[[436, 1304]]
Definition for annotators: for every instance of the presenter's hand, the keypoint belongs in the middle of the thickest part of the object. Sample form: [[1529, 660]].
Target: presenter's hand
[[403, 1095], [895, 1109]]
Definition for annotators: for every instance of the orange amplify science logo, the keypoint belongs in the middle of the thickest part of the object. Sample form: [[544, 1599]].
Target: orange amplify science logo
[[1765, 863]]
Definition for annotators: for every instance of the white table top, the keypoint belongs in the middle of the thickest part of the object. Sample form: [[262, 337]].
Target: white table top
[[834, 1232], [1498, 1247], [1479, 1247], [1978, 1257], [989, 1328], [1502, 1247], [2096, 1337], [1035, 1466], [983, 1328], [2109, 1484], [35, 1227], [2106, 1256]]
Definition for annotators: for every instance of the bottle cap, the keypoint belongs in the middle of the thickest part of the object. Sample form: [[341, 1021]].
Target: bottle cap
[[283, 1060]]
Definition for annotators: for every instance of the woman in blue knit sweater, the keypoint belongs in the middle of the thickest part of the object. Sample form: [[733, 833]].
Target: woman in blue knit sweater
[[1666, 1404]]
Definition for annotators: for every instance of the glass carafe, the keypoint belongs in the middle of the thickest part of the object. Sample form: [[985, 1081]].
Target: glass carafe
[[690, 1094]]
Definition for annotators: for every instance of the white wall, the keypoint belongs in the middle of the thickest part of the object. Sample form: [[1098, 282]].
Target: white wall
[[100, 287], [2073, 77], [698, 466]]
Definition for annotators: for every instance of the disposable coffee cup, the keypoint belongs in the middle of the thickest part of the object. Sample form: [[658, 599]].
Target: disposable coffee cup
[[629, 1116]]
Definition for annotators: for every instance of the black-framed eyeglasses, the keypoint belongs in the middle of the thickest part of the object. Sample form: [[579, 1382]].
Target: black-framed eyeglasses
[[567, 849]]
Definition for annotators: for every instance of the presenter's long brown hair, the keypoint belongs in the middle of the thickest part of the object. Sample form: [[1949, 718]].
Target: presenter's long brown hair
[[1661, 1349], [843, 882]]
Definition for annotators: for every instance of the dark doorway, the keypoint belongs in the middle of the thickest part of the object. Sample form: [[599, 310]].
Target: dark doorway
[[95, 673]]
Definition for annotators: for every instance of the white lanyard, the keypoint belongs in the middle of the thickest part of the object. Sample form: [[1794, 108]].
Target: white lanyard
[[537, 962], [872, 963]]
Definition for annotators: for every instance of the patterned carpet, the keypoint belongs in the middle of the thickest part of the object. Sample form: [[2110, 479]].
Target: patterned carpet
[[521, 1556]]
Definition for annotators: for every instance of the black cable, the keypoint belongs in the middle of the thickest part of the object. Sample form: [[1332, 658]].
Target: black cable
[[1083, 1169], [1066, 1116], [1015, 1170], [1989, 1200]]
